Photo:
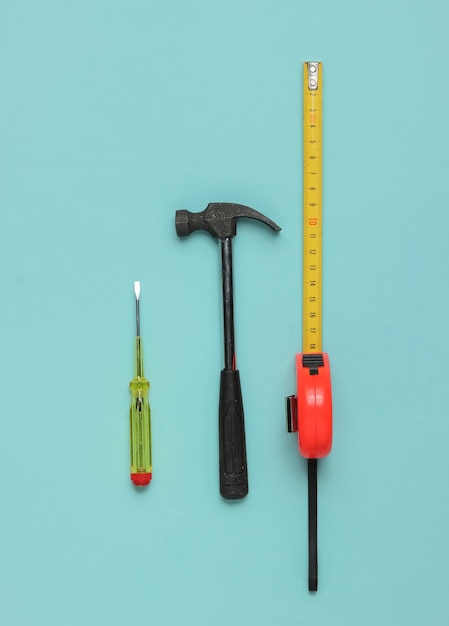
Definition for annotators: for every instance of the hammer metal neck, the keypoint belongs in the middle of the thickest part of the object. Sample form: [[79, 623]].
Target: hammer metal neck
[[228, 303]]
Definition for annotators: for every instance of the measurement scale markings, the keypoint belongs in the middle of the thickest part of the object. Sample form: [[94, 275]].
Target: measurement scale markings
[[312, 208]]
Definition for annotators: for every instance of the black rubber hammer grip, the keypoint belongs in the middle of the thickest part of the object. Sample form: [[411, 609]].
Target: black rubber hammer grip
[[233, 465]]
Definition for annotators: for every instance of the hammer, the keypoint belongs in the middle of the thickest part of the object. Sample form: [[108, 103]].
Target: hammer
[[219, 219]]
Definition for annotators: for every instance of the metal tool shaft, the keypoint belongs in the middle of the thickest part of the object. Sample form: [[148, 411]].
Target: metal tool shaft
[[137, 318], [228, 303]]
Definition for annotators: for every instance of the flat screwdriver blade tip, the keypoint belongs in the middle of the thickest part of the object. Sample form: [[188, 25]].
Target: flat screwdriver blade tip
[[137, 288]]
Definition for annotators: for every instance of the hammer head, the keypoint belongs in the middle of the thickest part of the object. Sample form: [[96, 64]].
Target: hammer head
[[219, 219]]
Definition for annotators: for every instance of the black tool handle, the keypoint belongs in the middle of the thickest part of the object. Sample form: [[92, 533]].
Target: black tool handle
[[233, 466]]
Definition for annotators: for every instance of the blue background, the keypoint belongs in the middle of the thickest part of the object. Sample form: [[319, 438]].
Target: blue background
[[113, 115]]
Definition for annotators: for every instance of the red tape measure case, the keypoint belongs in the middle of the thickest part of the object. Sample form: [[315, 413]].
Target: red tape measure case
[[314, 405]]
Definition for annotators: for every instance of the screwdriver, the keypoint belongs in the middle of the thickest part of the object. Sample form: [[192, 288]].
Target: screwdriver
[[140, 421]]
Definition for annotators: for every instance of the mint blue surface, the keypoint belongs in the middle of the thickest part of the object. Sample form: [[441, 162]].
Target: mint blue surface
[[113, 115]]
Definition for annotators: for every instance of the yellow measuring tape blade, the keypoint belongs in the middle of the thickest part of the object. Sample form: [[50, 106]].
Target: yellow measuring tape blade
[[312, 209]]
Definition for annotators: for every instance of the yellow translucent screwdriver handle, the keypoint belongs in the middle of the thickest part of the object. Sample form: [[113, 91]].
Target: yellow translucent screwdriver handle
[[140, 415]]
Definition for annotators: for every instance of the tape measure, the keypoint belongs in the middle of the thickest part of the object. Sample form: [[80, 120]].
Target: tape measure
[[313, 207], [309, 413]]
